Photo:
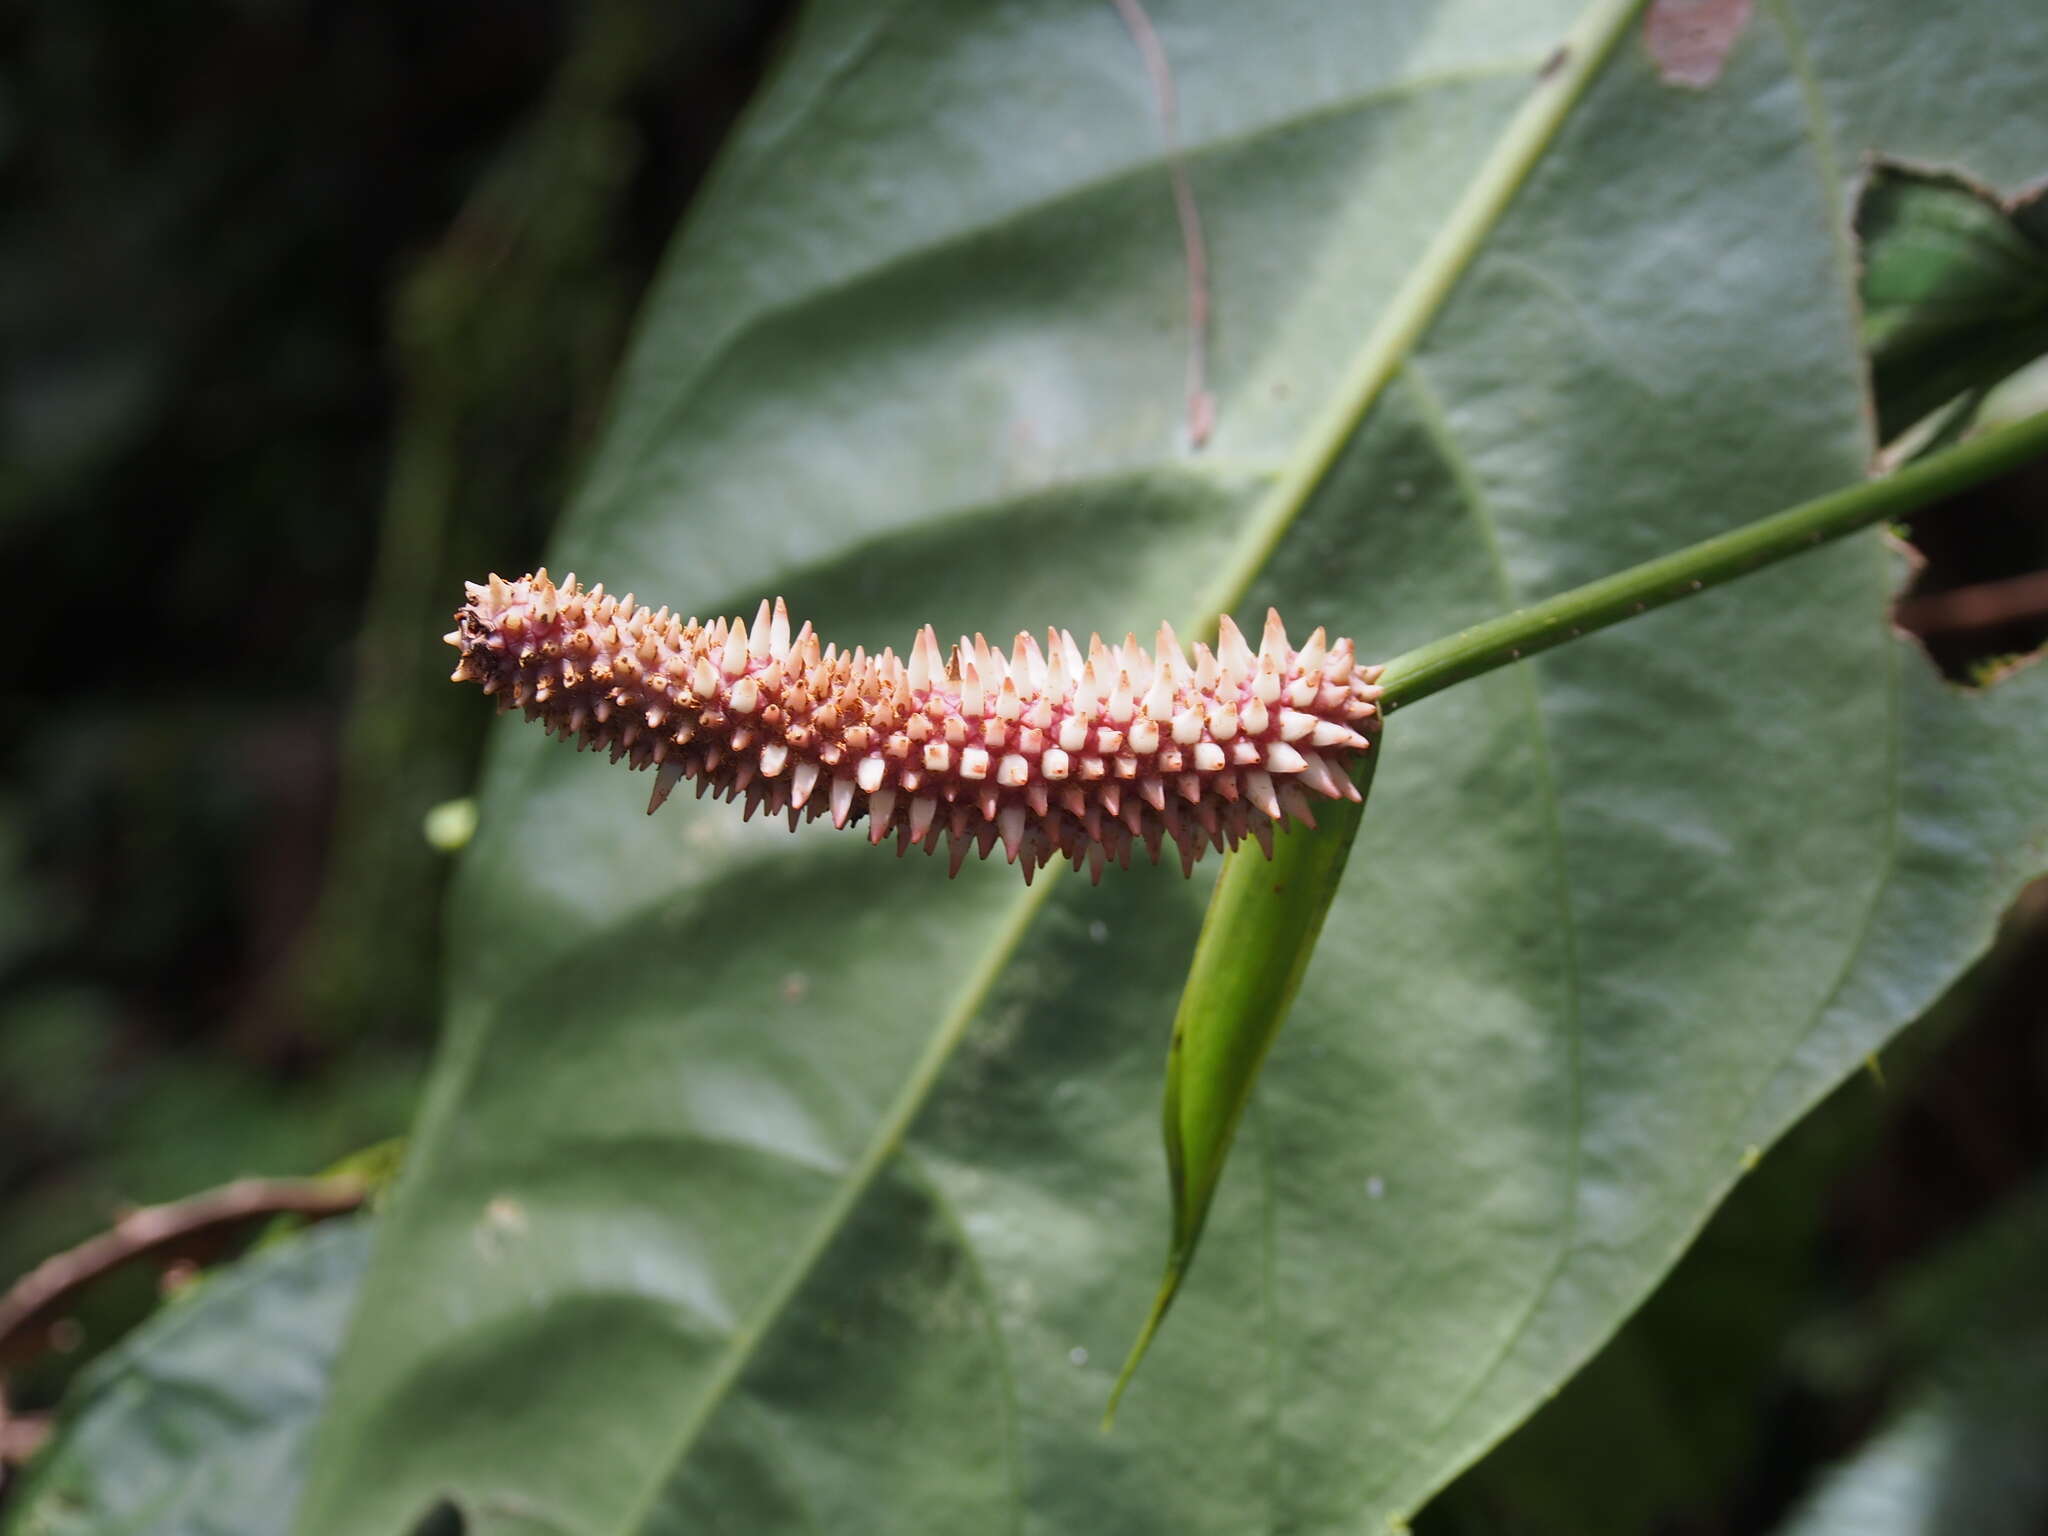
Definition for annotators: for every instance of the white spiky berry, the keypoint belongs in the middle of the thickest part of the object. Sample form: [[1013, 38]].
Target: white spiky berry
[[1055, 751]]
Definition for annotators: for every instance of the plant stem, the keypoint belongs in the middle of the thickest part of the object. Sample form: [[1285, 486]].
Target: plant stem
[[38, 1297], [1515, 636]]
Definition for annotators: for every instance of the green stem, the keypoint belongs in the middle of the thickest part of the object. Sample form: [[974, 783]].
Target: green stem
[[1514, 636]]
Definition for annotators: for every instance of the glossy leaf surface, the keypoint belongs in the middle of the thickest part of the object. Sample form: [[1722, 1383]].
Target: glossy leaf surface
[[202, 1420]]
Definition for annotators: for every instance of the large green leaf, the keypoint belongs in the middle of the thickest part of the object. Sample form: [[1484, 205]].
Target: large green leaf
[[202, 1420], [769, 1184]]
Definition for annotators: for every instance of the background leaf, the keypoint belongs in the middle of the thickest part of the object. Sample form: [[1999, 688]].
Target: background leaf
[[768, 1184], [1955, 290], [202, 1419]]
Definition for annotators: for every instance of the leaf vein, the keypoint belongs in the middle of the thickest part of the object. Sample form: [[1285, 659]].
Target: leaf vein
[[1436, 424], [895, 1122], [921, 1175]]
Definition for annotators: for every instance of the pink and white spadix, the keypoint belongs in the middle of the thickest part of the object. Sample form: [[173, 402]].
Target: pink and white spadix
[[1051, 750]]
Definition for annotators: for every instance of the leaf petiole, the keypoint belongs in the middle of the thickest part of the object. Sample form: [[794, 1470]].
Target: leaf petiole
[[1515, 636]]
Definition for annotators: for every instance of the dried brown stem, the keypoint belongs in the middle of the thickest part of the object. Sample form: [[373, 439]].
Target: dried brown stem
[[167, 1231], [1983, 606]]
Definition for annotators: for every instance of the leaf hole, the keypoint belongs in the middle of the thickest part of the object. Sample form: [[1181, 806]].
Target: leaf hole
[[1954, 293], [1954, 290], [1978, 601]]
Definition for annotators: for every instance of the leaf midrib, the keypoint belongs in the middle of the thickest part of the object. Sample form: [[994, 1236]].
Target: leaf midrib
[[1520, 147], [842, 286]]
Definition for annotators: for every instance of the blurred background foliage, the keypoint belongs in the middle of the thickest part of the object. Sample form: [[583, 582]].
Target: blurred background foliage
[[311, 310]]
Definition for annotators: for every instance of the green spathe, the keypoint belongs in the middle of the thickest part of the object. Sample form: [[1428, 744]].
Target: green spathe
[[1262, 926]]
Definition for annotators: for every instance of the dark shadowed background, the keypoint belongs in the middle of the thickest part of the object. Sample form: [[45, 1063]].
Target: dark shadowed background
[[310, 311]]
